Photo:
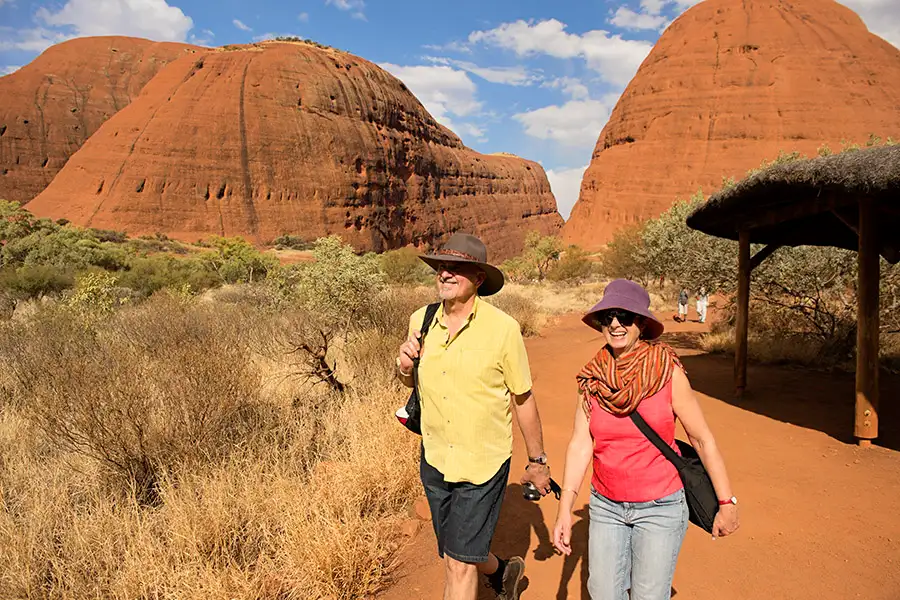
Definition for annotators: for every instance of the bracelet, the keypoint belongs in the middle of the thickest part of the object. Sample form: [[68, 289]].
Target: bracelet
[[570, 490]]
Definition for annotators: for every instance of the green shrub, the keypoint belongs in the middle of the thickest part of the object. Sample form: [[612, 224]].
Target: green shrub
[[234, 260], [572, 267], [291, 242], [34, 281], [405, 267], [339, 284], [151, 274]]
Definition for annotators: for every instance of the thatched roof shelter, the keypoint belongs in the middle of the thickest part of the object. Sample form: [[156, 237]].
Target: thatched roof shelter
[[810, 202], [849, 200]]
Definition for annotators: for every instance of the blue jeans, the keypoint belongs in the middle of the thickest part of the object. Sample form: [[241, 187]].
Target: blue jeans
[[634, 545]]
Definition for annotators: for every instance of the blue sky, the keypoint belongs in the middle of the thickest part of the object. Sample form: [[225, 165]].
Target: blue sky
[[535, 78]]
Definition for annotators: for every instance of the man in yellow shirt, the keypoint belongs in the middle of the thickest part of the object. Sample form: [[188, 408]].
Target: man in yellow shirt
[[473, 371]]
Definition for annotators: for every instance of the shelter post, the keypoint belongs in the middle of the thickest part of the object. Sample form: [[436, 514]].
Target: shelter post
[[741, 330], [866, 425]]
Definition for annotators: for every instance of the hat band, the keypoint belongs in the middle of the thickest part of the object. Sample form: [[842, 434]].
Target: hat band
[[457, 253]]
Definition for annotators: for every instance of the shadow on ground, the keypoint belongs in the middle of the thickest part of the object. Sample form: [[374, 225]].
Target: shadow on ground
[[819, 400], [518, 518]]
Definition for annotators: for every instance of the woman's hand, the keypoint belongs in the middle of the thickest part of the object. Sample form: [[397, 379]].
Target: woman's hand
[[726, 521], [562, 532]]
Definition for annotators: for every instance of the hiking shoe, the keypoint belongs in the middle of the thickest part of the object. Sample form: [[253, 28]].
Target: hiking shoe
[[515, 569]]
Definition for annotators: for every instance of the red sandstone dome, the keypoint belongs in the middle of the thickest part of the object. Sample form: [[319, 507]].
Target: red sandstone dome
[[283, 137], [729, 84], [52, 105]]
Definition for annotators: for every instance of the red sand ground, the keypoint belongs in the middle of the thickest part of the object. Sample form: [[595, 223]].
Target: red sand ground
[[820, 517]]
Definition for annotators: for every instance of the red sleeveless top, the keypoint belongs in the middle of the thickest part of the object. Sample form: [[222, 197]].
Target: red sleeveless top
[[627, 466]]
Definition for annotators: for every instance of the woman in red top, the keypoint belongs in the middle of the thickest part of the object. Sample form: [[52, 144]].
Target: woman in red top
[[638, 511]]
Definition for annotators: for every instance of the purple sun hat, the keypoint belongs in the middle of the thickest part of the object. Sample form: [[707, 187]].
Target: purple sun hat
[[630, 296]]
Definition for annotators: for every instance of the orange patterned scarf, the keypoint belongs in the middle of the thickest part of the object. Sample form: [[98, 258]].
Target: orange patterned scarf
[[619, 385]]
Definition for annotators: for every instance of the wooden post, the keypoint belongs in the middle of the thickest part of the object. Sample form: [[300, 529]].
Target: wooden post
[[866, 425], [741, 328]]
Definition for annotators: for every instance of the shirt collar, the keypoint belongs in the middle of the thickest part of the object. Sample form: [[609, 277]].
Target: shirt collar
[[440, 313]]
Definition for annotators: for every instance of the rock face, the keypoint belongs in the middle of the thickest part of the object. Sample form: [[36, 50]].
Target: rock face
[[284, 137], [729, 84], [52, 105]]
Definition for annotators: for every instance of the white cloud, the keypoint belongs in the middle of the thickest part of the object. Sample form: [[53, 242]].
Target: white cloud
[[9, 69], [36, 39], [356, 6], [575, 123], [566, 185], [613, 57], [518, 75], [204, 39], [882, 17], [303, 17], [240, 25], [570, 86], [446, 93], [625, 18], [454, 46], [153, 19]]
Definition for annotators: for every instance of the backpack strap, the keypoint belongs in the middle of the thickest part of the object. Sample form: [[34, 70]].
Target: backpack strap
[[430, 312]]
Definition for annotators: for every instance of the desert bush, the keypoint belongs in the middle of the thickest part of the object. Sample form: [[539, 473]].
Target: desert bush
[[339, 284], [537, 259], [769, 348], [523, 309], [146, 275], [573, 266], [403, 266], [235, 260], [151, 389], [34, 281], [623, 257], [291, 242]]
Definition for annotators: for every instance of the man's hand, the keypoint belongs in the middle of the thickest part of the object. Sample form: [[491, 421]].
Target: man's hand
[[408, 351], [539, 476]]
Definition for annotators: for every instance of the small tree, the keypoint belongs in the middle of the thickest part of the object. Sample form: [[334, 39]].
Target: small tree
[[235, 260], [541, 251]]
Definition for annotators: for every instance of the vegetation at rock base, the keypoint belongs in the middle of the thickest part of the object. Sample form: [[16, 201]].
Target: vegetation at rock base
[[800, 297]]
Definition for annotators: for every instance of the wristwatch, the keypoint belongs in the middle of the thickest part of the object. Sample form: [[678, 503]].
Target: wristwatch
[[731, 500], [540, 459]]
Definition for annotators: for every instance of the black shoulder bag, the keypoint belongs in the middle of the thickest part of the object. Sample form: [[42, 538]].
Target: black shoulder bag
[[703, 503], [412, 420]]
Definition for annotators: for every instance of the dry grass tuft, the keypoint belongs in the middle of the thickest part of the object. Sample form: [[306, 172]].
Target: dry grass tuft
[[262, 486]]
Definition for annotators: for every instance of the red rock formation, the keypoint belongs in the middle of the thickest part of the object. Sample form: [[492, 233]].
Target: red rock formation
[[52, 105], [729, 84], [280, 138]]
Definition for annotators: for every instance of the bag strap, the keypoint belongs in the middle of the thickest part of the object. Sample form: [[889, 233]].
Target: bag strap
[[430, 312], [657, 441]]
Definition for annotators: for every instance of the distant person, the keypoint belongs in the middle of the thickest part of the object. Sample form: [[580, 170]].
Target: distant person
[[472, 364], [702, 304], [683, 305], [638, 510]]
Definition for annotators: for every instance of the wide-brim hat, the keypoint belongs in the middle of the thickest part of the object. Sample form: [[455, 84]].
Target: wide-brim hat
[[466, 248], [630, 296]]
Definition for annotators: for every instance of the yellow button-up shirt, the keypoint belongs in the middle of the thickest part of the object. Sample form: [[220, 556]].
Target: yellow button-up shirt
[[464, 389]]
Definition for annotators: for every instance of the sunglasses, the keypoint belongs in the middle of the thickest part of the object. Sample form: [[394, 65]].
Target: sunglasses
[[624, 317], [455, 267]]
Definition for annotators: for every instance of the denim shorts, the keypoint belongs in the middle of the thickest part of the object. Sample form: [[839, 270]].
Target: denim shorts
[[464, 515]]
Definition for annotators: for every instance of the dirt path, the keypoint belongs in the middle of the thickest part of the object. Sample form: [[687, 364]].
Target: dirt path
[[820, 517]]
